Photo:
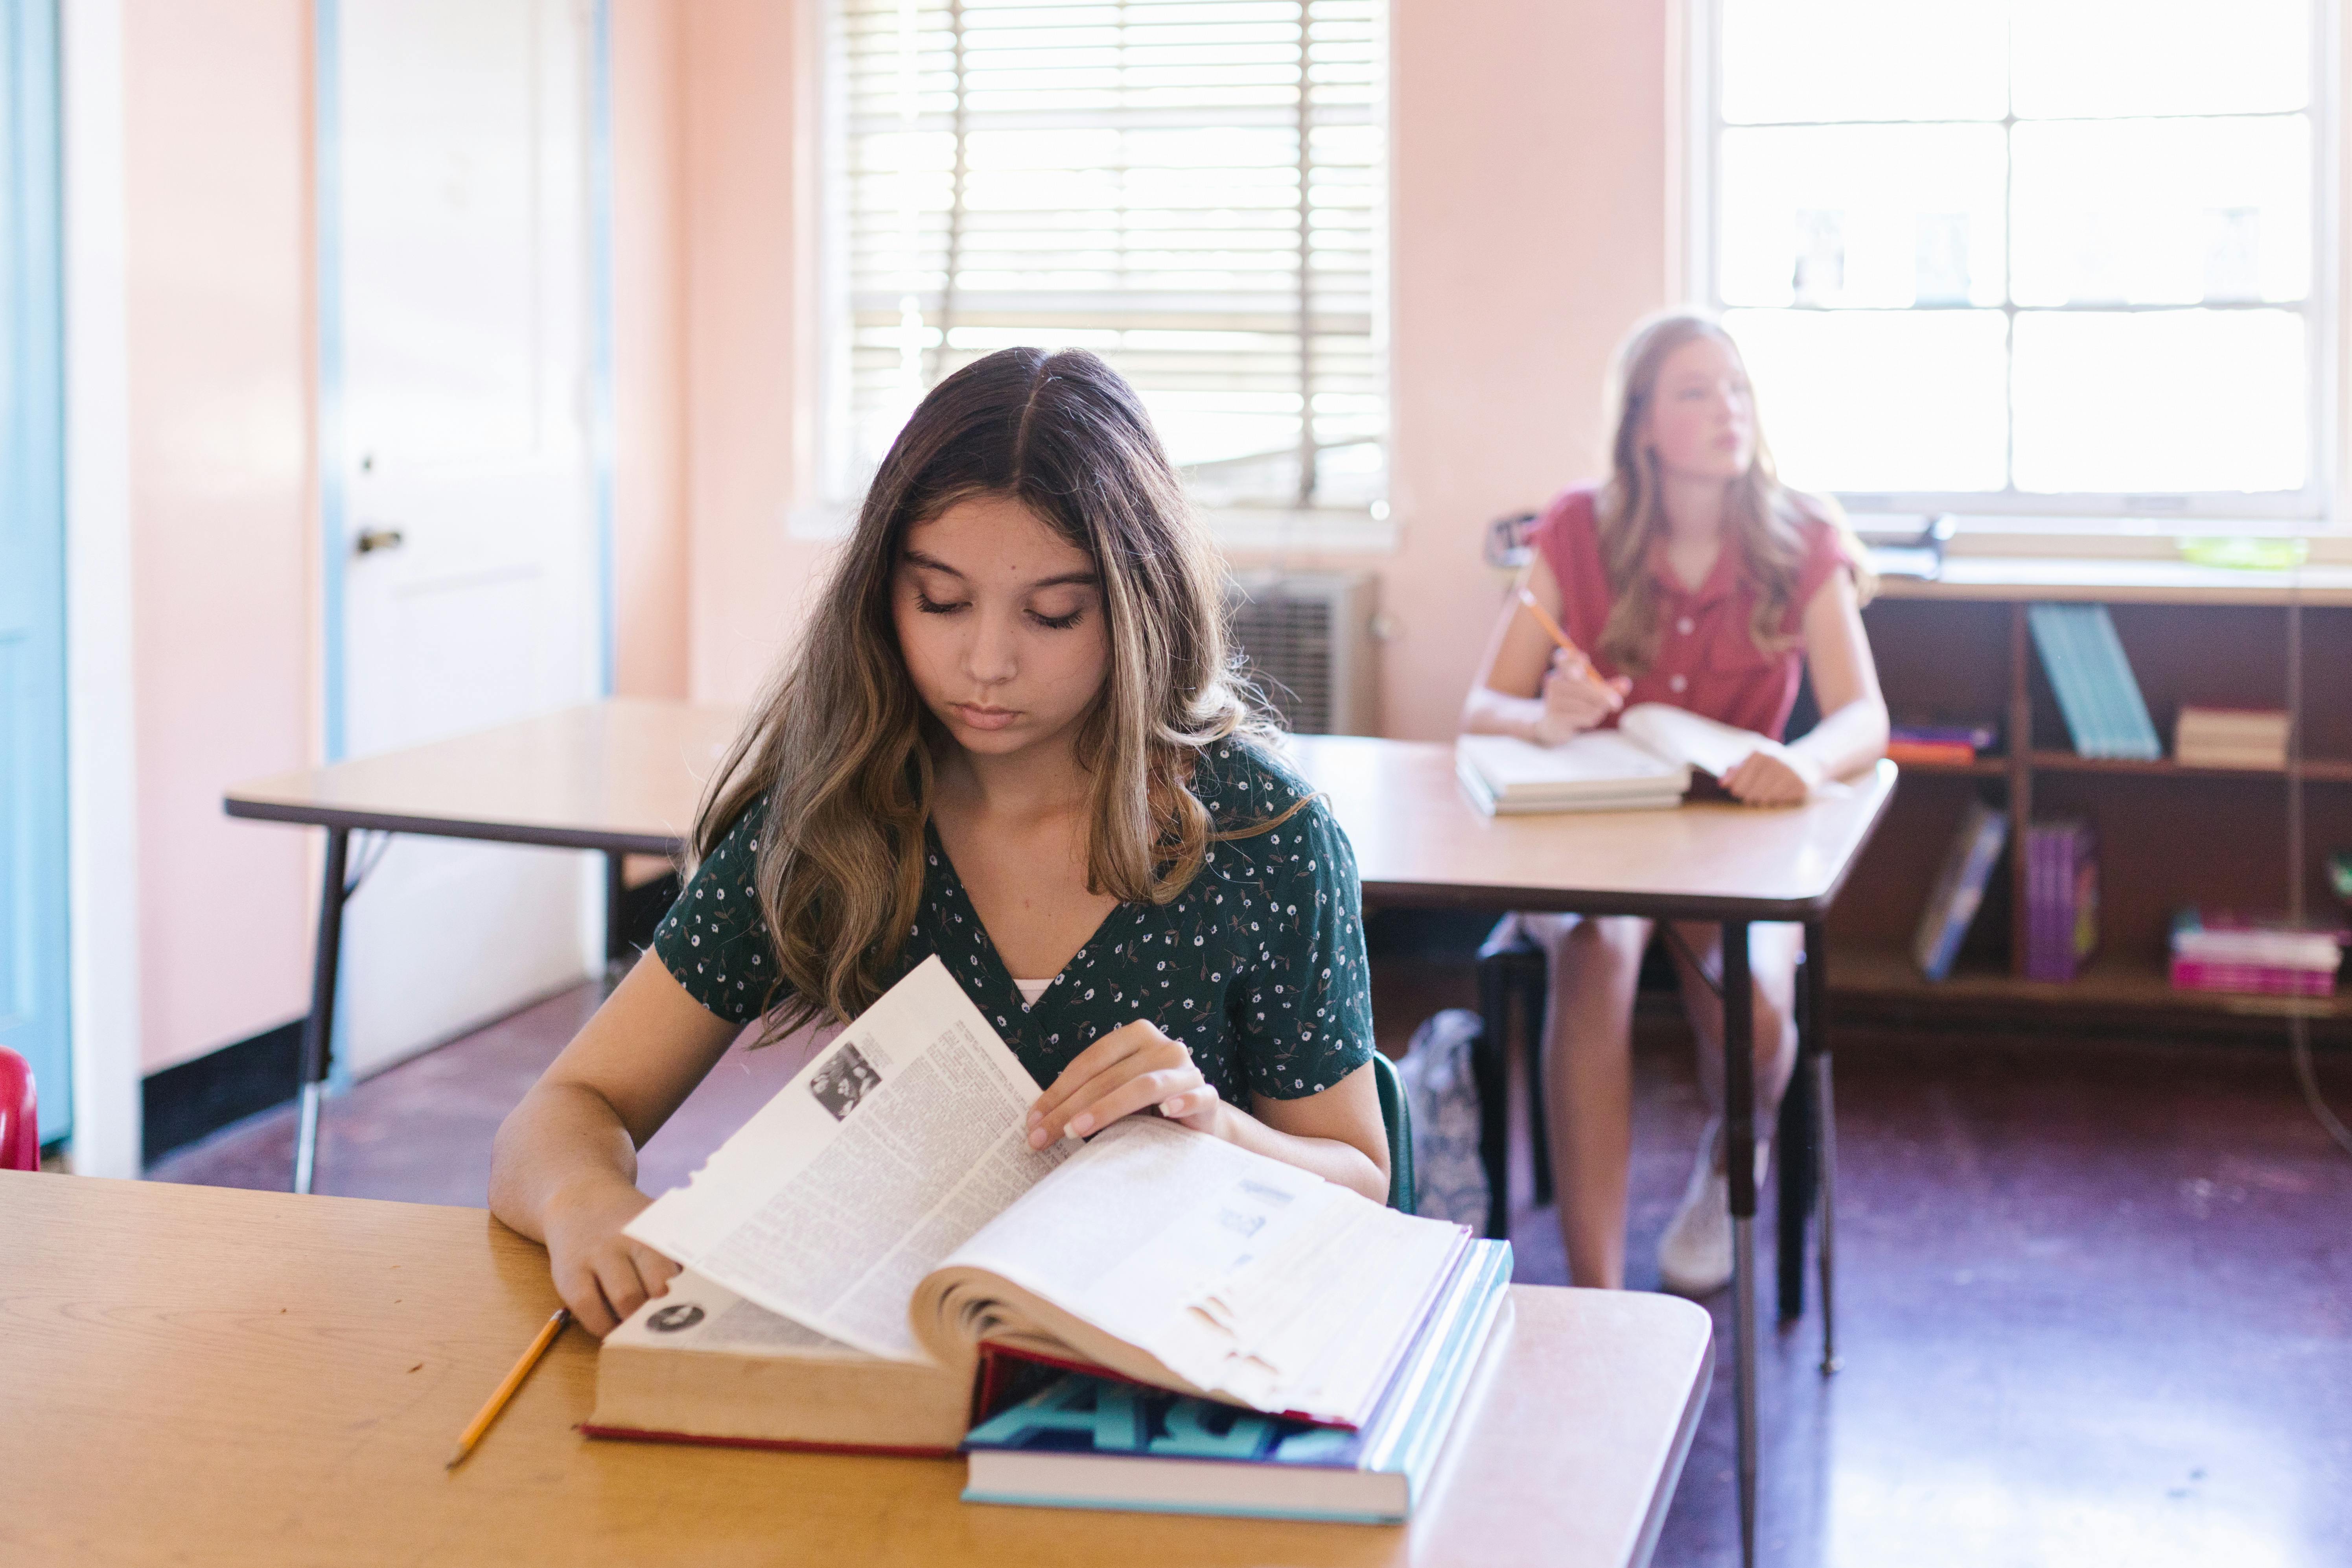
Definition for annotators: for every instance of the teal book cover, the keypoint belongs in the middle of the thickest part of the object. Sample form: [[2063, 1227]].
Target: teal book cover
[[1092, 1442]]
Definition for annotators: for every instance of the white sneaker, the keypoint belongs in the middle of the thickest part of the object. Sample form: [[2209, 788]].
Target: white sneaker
[[1695, 1253]]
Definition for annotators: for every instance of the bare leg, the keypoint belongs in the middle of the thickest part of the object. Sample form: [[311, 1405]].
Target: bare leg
[[1772, 959], [1588, 1083]]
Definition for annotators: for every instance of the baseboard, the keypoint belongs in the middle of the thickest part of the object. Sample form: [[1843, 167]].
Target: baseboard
[[196, 1099]]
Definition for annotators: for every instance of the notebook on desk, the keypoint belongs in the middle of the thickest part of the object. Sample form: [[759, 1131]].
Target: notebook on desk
[[1644, 763]]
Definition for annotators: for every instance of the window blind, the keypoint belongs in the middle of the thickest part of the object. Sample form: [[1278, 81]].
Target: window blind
[[1193, 189]]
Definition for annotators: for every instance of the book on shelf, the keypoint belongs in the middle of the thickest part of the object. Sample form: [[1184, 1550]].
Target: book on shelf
[[887, 1198], [2062, 898], [1940, 745], [2219, 949], [2105, 714], [2254, 737], [1959, 887], [1645, 763], [1091, 1442]]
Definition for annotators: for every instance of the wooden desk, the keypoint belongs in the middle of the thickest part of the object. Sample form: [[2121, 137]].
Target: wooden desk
[[625, 776], [199, 1375]]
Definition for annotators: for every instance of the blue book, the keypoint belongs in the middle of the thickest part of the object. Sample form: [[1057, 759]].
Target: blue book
[[1960, 889], [2100, 700], [1092, 1442]]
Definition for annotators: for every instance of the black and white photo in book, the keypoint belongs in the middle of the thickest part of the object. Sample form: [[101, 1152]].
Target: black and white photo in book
[[842, 1079]]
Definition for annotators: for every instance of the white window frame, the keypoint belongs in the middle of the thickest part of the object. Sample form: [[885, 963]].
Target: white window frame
[[2319, 506], [1254, 529]]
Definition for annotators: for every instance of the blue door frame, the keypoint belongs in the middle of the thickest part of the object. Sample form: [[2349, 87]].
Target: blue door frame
[[33, 952]]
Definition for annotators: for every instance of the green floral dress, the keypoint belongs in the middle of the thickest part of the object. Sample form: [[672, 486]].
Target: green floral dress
[[1258, 966]]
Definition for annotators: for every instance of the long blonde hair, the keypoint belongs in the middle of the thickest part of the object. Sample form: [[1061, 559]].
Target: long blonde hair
[[1765, 521], [839, 745]]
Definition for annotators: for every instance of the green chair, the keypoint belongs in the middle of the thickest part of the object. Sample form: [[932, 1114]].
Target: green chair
[[1396, 1115]]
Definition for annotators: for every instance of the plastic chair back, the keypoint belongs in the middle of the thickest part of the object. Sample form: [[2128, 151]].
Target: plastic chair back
[[1396, 1115], [20, 1122]]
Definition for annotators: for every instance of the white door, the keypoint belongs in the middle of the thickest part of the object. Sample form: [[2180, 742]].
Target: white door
[[457, 142]]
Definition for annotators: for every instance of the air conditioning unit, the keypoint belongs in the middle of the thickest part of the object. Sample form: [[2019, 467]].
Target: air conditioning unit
[[1306, 640]]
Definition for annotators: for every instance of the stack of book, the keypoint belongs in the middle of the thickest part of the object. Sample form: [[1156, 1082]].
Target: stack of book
[[2230, 737], [2097, 694], [2062, 898], [1913, 744], [1645, 762], [877, 1260], [1960, 889], [2213, 950]]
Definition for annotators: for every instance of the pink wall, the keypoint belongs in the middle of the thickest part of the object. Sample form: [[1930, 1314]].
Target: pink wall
[[751, 406], [216, 186], [649, 522]]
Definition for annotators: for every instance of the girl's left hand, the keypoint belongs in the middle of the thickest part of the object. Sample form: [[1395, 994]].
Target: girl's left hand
[[1134, 1068], [1772, 778]]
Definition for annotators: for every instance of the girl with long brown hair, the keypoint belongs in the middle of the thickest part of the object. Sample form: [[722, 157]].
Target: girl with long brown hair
[[1011, 737], [1695, 578]]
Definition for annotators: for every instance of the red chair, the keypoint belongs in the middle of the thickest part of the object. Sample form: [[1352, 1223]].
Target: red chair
[[20, 1123]]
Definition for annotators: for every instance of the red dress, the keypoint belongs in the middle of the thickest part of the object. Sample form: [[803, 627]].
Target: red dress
[[1708, 660]]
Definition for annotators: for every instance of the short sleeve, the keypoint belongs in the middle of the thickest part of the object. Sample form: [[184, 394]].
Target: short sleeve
[[1304, 1018], [713, 940], [1825, 557]]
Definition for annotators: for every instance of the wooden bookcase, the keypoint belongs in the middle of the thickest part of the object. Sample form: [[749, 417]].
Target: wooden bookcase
[[2168, 836]]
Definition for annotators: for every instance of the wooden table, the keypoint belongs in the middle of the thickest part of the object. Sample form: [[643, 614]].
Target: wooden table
[[623, 776], [200, 1375]]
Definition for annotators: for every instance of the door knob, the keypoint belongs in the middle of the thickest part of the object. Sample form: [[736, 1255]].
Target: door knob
[[375, 539]]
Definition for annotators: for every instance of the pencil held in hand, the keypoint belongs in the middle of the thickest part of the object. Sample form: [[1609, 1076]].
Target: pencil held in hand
[[506, 1391]]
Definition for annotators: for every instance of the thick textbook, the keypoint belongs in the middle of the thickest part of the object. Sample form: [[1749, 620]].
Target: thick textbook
[[1089, 1442], [887, 1198], [700, 1363], [1645, 763]]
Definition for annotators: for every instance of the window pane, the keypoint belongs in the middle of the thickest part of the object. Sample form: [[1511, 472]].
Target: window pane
[[2161, 400], [2161, 57], [1879, 400], [1863, 60], [2163, 211], [1868, 214]]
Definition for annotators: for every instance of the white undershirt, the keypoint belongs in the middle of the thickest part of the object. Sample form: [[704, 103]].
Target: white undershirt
[[1030, 990]]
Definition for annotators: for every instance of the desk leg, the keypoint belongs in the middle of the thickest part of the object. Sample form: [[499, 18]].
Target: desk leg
[[319, 1029], [616, 898], [1739, 1168], [1817, 1005]]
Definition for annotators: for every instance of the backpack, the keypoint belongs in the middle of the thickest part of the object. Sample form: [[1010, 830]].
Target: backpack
[[1442, 1089]]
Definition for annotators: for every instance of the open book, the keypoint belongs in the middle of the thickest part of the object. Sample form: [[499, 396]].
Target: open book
[[1645, 763], [887, 1199]]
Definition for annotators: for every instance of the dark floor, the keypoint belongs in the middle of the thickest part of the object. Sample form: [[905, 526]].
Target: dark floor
[[2095, 1299]]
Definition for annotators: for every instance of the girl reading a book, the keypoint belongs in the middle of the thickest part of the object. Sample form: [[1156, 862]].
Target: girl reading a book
[[1011, 736], [1695, 578]]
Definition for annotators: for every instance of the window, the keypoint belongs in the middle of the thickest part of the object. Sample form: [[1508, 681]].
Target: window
[[1193, 189], [2050, 257]]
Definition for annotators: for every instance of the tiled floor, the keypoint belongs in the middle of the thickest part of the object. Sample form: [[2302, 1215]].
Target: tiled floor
[[2095, 1301]]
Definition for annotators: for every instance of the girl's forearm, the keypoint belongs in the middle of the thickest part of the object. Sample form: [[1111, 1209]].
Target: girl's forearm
[[1338, 1162], [563, 1141], [1847, 740]]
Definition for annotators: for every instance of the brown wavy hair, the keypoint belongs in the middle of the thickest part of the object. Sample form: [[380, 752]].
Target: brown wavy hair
[[1765, 520], [839, 745]]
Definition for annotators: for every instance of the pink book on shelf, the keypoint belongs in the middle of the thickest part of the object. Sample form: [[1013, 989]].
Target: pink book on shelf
[[2256, 979]]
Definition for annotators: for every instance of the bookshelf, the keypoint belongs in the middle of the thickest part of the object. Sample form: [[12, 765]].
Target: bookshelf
[[2169, 834]]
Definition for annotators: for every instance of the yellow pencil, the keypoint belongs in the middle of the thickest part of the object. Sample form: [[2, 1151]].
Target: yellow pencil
[[498, 1402], [1543, 619]]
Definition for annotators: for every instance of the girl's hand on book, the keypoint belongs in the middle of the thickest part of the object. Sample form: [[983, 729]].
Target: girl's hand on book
[[1773, 778], [1575, 698], [1134, 1068], [602, 1275]]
